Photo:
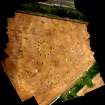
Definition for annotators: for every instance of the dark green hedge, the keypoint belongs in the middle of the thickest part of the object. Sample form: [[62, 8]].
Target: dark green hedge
[[53, 10]]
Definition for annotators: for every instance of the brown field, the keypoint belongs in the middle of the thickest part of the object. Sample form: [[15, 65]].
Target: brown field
[[46, 55]]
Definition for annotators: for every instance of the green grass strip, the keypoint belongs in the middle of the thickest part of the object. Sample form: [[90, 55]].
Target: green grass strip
[[86, 79]]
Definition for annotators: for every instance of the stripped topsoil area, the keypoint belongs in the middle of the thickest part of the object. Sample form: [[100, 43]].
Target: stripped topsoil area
[[46, 56]]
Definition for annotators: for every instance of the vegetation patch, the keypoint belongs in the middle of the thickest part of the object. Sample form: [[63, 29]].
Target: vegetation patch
[[53, 10], [86, 79]]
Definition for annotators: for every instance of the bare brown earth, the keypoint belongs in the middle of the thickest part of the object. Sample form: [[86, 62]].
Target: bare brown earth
[[46, 55], [97, 81]]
